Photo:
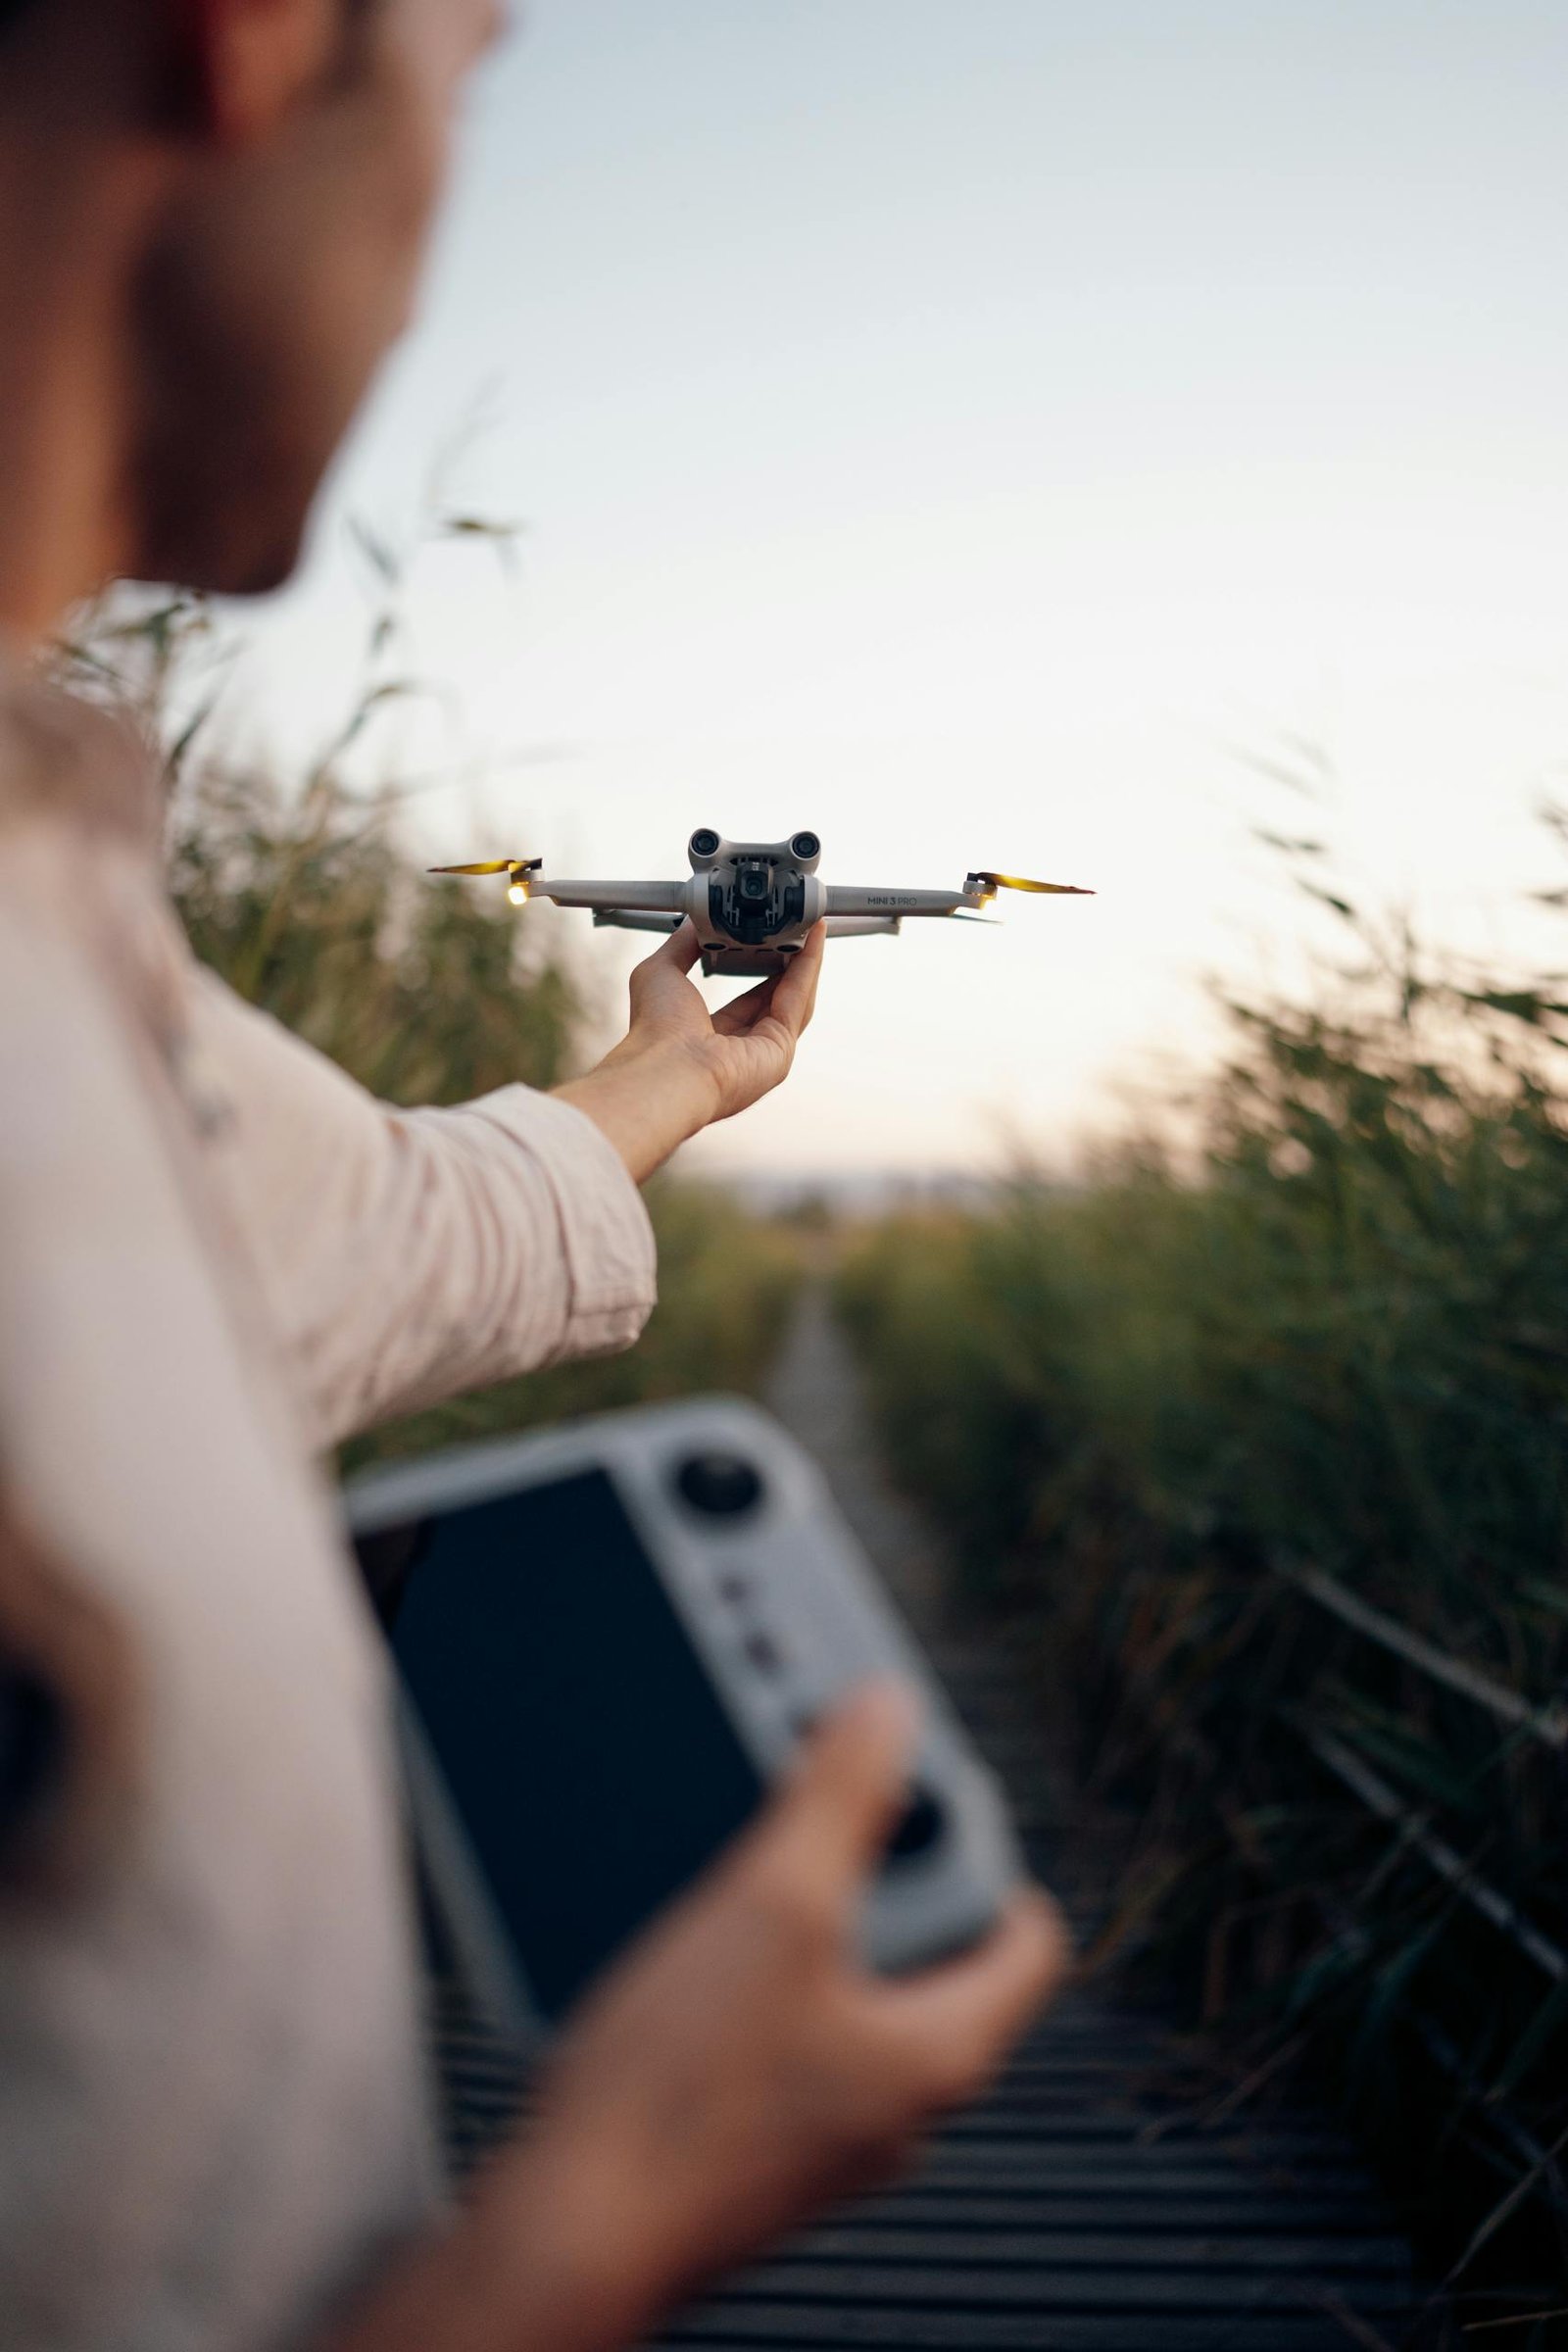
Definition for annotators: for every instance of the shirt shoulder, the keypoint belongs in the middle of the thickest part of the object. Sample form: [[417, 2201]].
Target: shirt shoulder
[[74, 767], [82, 827]]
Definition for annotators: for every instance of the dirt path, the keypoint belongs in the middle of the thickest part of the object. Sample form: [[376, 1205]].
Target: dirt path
[[1094, 2203]]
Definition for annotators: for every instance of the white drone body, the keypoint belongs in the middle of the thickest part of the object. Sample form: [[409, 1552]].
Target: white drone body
[[752, 902]]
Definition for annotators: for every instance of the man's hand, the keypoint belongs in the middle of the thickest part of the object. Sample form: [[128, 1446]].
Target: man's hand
[[745, 2067], [679, 1067], [739, 2068]]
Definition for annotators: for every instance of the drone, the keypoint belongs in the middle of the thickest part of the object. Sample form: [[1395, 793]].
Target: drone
[[752, 902]]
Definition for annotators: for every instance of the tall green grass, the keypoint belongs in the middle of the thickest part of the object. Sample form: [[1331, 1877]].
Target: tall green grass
[[1331, 1338], [306, 901]]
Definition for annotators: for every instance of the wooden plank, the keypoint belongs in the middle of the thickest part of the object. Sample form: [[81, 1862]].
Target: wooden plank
[[1154, 2208], [1302, 2143], [785, 2323], [1102, 2166], [978, 2286], [1148, 2249], [1090, 2059]]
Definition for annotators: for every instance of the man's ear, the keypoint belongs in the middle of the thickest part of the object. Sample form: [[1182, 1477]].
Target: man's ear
[[247, 62]]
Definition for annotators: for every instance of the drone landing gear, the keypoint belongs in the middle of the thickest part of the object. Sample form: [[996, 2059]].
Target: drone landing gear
[[741, 960], [625, 918], [746, 963]]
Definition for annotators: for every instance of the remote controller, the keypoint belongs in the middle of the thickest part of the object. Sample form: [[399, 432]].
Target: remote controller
[[611, 1636]]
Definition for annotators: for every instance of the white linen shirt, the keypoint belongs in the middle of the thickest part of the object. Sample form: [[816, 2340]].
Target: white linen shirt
[[217, 1256]]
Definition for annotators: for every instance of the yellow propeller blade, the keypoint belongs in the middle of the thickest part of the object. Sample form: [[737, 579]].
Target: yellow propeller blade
[[516, 869], [1059, 890]]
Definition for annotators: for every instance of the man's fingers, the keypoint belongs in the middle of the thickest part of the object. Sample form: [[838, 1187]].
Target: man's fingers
[[789, 995], [682, 950], [975, 2007], [794, 995], [832, 1818], [742, 1013]]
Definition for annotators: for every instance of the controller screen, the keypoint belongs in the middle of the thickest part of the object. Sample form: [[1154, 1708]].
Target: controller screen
[[593, 1767]]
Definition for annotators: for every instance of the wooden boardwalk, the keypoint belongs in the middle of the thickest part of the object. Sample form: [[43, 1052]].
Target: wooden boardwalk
[[1089, 2204]]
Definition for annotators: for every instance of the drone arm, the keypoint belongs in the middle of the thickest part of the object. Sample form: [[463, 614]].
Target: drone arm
[[846, 898], [613, 898]]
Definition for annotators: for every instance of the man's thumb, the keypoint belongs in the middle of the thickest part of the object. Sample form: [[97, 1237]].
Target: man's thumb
[[849, 1783]]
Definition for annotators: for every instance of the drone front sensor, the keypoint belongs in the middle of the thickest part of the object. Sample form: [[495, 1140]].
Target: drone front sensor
[[753, 902]]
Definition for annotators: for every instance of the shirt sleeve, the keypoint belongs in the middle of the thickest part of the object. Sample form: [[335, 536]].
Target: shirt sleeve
[[407, 1255]]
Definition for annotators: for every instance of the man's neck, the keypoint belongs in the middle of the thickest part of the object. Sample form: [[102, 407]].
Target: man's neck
[[64, 375]]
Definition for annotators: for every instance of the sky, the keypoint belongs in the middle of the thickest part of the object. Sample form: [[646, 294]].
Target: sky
[[983, 434]]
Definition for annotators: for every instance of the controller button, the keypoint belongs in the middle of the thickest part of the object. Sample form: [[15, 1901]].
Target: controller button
[[920, 1826], [763, 1653], [721, 1485]]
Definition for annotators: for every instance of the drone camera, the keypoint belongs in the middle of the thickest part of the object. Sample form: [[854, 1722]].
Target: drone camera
[[704, 842], [754, 894], [806, 845]]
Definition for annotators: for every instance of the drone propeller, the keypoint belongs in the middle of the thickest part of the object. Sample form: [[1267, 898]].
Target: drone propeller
[[516, 869], [1060, 890], [993, 922]]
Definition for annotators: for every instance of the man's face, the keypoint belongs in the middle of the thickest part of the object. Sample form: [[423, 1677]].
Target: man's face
[[277, 280]]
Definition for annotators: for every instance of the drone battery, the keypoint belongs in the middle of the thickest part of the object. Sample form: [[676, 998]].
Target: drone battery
[[611, 1638]]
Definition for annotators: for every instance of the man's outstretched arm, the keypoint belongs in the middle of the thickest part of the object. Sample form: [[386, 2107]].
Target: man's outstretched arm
[[407, 1256]]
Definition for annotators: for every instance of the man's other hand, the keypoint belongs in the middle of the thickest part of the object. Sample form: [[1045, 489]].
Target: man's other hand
[[737, 2069], [742, 2067]]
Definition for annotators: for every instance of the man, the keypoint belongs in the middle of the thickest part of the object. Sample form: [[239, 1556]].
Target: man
[[217, 1256]]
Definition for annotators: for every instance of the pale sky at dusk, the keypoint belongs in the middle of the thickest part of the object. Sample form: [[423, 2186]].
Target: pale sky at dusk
[[960, 428]]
